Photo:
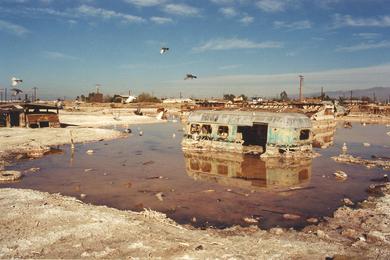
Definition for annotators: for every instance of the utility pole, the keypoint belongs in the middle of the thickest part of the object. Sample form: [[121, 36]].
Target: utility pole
[[300, 88], [351, 97], [34, 98], [180, 95], [322, 93]]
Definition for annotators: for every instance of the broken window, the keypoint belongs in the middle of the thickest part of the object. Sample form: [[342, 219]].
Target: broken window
[[195, 128], [206, 129], [223, 131], [304, 135]]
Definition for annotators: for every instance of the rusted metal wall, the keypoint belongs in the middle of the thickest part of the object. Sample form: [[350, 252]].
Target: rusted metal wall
[[52, 118]]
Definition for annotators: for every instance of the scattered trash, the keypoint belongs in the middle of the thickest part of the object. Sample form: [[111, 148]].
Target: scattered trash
[[200, 247], [148, 163], [388, 133], [238, 193], [291, 216], [88, 170], [321, 234], [208, 191], [90, 152], [33, 169], [193, 219], [173, 135], [250, 220], [366, 144], [344, 149], [140, 133], [128, 130], [340, 175], [82, 195], [160, 196], [154, 177], [10, 176], [350, 159], [385, 178], [276, 231], [347, 124]]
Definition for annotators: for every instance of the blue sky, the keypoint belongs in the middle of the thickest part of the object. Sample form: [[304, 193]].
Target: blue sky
[[255, 47]]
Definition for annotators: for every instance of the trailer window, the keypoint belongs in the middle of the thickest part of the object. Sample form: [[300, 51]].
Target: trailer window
[[195, 128], [223, 131], [206, 129], [304, 135]]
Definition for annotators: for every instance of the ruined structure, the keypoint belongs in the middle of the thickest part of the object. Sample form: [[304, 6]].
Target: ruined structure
[[29, 115], [269, 134], [247, 172]]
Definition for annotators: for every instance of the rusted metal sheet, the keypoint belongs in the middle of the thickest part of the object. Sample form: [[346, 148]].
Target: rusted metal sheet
[[37, 120]]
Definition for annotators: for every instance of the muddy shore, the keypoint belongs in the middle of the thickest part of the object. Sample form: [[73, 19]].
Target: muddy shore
[[63, 227]]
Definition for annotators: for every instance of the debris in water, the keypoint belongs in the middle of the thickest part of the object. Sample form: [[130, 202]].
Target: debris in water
[[366, 144], [10, 176], [128, 130], [33, 169], [140, 133], [291, 216], [154, 177], [344, 149], [193, 219], [160, 196], [173, 135], [82, 195], [208, 191], [347, 124], [312, 220], [250, 220], [88, 170], [340, 175], [129, 184], [90, 152], [238, 193]]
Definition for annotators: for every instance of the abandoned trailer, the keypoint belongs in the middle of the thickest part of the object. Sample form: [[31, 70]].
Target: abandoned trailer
[[269, 134], [28, 115]]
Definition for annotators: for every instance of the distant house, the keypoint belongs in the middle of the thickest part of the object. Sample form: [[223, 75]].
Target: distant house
[[177, 101], [124, 99]]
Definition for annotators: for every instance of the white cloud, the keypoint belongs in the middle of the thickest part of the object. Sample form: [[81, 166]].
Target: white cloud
[[235, 43], [59, 56], [367, 36], [230, 67], [271, 84], [161, 20], [107, 14], [272, 6], [350, 21], [365, 46], [181, 9], [247, 20], [12, 28], [228, 11], [298, 25], [145, 3]]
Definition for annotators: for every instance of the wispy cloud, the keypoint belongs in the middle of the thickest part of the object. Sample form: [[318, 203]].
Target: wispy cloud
[[228, 11], [247, 20], [145, 3], [235, 43], [272, 6], [12, 28], [298, 25], [365, 46], [54, 55], [350, 21], [86, 10], [271, 84], [181, 9], [230, 67], [161, 20], [367, 36]]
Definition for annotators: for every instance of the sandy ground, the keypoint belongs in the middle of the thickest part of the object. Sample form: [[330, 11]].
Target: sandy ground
[[105, 117], [39, 225], [19, 140]]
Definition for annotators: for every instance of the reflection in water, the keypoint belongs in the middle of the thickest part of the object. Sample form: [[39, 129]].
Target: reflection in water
[[247, 172]]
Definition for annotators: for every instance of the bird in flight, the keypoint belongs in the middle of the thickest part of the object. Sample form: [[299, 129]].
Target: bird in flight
[[164, 50], [16, 91], [190, 76], [16, 81]]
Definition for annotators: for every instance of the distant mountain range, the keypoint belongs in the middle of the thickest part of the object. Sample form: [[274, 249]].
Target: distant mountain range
[[381, 93]]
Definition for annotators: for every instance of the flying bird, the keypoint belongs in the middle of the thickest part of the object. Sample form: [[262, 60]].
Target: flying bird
[[16, 81], [190, 76], [164, 50], [16, 91]]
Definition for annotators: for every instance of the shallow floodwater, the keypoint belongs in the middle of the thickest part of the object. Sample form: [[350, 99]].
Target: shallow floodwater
[[207, 189]]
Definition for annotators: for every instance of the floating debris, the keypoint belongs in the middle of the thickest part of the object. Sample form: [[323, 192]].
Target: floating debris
[[159, 196], [366, 144], [128, 130], [340, 175], [173, 135], [344, 149], [154, 177], [88, 170], [291, 216], [347, 124], [312, 220], [140, 133], [148, 163], [82, 195], [250, 220], [348, 202], [208, 191], [356, 160], [90, 152], [33, 169], [193, 219], [6, 176]]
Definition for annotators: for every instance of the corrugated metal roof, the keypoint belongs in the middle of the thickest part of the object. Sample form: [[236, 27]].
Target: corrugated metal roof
[[247, 118]]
